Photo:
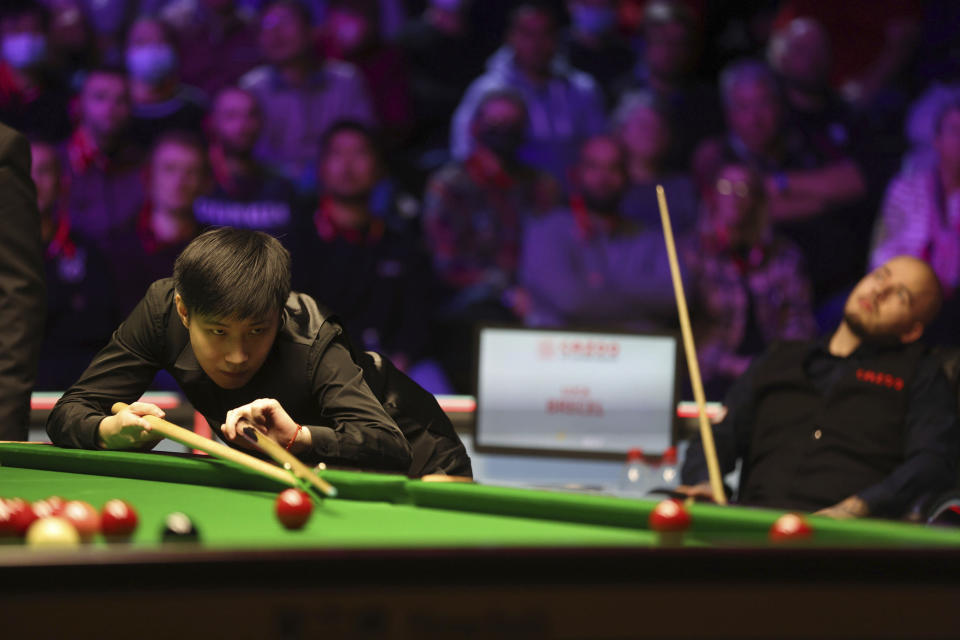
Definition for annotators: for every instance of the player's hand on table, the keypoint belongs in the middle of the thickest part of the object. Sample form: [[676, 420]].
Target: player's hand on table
[[128, 429], [852, 507], [701, 491], [267, 416]]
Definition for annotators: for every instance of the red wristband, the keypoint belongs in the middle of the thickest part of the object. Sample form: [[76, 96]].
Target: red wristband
[[294, 438]]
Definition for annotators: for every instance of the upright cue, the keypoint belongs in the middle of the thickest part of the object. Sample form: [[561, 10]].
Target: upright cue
[[706, 433], [222, 451]]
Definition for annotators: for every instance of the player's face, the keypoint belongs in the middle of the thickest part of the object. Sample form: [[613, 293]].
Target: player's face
[[45, 171], [236, 121], [754, 115], [886, 303], [283, 36], [105, 104], [349, 167], [176, 175], [231, 351]]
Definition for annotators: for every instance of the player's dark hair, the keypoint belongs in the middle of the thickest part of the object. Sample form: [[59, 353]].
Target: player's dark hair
[[233, 273]]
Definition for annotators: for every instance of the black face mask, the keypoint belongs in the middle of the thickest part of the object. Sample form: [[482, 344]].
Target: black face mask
[[503, 140]]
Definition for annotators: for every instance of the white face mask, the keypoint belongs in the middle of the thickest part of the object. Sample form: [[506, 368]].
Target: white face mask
[[24, 50], [151, 63]]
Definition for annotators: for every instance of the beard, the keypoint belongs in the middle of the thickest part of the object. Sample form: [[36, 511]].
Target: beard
[[885, 336]]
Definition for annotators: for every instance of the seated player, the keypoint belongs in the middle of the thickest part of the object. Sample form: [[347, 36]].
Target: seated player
[[860, 423], [245, 349]]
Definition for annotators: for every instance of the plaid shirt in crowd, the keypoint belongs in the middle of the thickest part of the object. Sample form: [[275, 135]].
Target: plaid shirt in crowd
[[473, 220], [776, 276]]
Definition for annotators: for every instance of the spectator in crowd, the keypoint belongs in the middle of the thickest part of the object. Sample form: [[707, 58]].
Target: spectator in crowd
[[666, 69], [565, 106], [588, 264], [301, 96], [474, 212], [444, 55], [22, 291], [80, 318], [104, 179], [145, 251], [593, 45], [920, 124], [160, 102], [749, 283], [351, 34], [246, 193], [72, 45], [921, 217], [217, 44], [32, 98], [374, 278], [813, 195], [643, 125], [110, 20]]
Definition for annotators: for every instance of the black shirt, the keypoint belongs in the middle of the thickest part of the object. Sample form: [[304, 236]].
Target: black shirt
[[928, 435], [311, 371]]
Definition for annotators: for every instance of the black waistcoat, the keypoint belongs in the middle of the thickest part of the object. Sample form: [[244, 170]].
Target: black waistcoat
[[811, 449]]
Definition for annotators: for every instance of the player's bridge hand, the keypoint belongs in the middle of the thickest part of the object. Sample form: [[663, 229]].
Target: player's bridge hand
[[128, 429], [266, 415], [700, 491]]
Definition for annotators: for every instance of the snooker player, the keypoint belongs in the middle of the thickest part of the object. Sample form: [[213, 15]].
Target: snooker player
[[245, 349], [860, 423]]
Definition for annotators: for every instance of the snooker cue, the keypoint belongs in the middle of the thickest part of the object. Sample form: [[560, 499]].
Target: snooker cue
[[288, 461], [222, 451], [706, 433]]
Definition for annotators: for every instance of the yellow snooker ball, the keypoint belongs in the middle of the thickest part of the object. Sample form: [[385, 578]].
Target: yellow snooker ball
[[52, 533]]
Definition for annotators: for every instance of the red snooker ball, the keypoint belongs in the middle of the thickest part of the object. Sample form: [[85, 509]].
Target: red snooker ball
[[293, 508], [84, 518], [669, 515], [21, 516], [47, 507], [118, 519], [791, 527]]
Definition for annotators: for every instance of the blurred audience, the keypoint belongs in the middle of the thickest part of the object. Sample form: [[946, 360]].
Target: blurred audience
[[749, 284], [246, 193], [565, 106], [474, 212], [667, 70], [146, 249], [104, 167], [593, 45], [300, 94], [217, 44], [33, 99], [80, 317], [375, 279], [351, 33], [643, 126], [921, 217], [160, 102], [587, 264], [444, 55], [813, 192]]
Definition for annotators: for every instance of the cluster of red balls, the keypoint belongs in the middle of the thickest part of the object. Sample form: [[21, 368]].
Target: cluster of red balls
[[671, 520], [54, 521]]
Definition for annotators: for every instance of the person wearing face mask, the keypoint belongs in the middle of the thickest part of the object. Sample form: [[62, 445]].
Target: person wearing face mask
[[588, 265], [474, 212], [160, 102], [33, 99], [593, 44], [749, 284]]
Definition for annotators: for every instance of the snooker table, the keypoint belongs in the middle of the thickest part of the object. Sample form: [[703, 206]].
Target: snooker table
[[396, 557]]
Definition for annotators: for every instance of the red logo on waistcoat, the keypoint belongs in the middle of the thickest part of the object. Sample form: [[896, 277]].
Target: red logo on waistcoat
[[882, 379]]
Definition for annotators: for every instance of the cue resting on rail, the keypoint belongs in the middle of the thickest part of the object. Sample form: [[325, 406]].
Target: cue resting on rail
[[706, 433]]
